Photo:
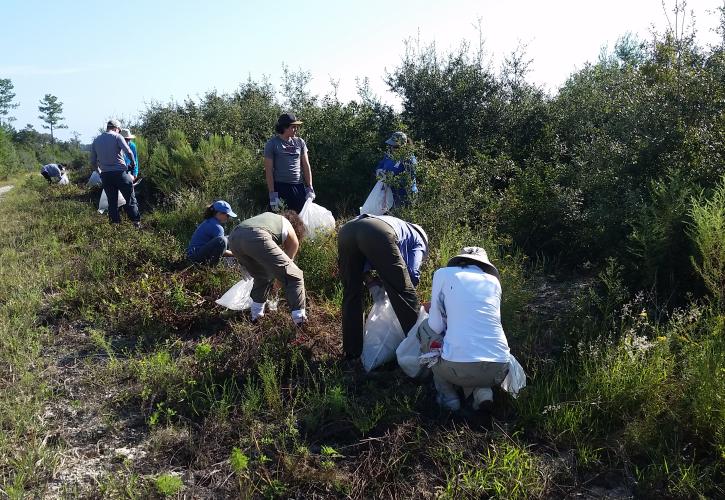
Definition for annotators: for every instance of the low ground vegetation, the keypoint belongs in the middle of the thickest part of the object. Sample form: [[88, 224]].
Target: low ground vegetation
[[602, 206]]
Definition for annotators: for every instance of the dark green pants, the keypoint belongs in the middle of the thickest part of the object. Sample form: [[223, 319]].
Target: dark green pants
[[372, 240]]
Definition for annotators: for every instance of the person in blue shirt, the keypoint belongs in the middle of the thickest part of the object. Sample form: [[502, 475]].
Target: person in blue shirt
[[395, 249], [208, 243], [397, 168], [132, 168]]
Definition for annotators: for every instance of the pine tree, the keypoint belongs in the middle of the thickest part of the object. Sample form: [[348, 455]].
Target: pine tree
[[51, 113], [6, 100]]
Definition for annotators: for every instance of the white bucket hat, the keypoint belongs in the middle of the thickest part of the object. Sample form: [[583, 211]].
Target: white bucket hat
[[126, 134], [471, 255]]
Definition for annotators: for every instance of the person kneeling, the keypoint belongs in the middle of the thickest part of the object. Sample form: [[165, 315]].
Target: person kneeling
[[266, 245], [464, 326], [208, 243]]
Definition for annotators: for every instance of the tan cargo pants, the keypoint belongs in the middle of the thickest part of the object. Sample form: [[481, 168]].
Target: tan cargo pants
[[265, 261], [475, 378]]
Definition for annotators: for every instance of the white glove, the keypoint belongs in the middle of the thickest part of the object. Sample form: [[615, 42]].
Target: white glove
[[274, 201], [310, 193], [377, 292]]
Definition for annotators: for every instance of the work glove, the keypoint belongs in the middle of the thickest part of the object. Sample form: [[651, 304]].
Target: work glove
[[309, 193], [377, 292], [274, 201], [379, 173]]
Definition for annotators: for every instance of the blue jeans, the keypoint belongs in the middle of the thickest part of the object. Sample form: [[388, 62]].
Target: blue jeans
[[209, 253], [113, 182], [293, 195]]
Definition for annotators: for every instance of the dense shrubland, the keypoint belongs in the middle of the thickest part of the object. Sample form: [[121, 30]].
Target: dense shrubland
[[613, 189]]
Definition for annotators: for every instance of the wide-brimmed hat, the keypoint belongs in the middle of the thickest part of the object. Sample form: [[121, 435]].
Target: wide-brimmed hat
[[471, 255], [397, 139], [113, 123], [223, 207], [126, 134], [287, 119]]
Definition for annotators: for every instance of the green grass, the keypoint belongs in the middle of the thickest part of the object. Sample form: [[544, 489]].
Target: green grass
[[210, 391]]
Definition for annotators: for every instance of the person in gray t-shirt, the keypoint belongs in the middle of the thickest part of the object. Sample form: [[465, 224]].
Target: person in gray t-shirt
[[287, 166], [107, 154]]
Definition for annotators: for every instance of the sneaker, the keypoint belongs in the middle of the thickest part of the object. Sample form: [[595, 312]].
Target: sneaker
[[137, 224]]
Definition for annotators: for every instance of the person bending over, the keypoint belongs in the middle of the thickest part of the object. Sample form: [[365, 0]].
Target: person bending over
[[266, 246], [395, 249]]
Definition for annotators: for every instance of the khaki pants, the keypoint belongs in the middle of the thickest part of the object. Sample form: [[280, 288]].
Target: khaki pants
[[265, 261], [475, 378]]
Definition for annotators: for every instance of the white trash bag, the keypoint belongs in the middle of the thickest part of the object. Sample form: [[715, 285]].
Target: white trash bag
[[64, 180], [379, 201], [408, 351], [103, 203], [515, 379], [383, 334], [238, 298], [317, 219], [95, 180]]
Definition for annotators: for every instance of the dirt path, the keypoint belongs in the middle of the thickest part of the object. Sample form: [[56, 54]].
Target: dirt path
[[5, 189]]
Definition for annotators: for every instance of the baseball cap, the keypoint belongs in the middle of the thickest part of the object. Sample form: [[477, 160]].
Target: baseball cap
[[113, 123], [223, 207], [287, 119]]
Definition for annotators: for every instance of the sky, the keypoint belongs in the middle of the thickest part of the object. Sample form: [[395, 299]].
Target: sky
[[112, 59]]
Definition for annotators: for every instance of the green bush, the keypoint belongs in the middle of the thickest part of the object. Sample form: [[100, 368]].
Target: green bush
[[708, 233]]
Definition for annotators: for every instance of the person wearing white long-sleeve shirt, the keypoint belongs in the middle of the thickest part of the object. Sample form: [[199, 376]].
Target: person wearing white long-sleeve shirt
[[465, 324]]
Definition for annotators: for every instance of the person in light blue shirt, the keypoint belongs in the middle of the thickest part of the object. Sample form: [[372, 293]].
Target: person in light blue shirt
[[52, 171], [132, 167], [395, 249], [208, 243], [396, 171]]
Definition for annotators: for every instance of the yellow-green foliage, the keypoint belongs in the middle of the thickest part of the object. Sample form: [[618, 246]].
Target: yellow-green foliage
[[708, 232]]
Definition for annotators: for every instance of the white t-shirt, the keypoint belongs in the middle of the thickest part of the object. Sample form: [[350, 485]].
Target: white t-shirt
[[466, 308], [286, 229]]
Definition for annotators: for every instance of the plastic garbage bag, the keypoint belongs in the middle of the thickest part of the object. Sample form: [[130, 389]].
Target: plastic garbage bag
[[103, 203], [64, 180], [238, 298], [383, 334], [379, 201], [515, 379], [408, 351], [95, 180], [317, 219]]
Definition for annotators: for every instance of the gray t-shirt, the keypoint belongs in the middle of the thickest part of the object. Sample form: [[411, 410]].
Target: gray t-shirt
[[285, 156], [107, 152]]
